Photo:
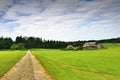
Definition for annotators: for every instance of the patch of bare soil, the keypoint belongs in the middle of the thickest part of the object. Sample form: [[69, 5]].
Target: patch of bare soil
[[28, 68]]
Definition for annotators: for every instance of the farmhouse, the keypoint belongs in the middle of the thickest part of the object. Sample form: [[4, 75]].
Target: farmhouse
[[92, 45]]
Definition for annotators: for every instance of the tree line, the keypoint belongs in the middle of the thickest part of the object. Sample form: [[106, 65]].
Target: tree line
[[36, 42]]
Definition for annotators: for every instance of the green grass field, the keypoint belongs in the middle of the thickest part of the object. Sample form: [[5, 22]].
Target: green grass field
[[103, 64], [8, 59]]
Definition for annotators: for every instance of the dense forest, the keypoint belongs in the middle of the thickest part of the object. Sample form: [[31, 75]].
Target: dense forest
[[35, 42]]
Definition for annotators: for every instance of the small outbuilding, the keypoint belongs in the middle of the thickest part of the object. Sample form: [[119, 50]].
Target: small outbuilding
[[92, 45], [70, 47]]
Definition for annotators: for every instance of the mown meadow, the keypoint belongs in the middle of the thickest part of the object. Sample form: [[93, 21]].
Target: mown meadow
[[102, 64], [9, 59]]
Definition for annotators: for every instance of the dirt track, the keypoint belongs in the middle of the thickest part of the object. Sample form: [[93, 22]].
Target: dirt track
[[28, 68]]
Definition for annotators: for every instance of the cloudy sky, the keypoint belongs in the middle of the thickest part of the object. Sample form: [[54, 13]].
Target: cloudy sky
[[65, 20]]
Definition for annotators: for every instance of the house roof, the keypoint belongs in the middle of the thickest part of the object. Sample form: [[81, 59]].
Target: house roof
[[89, 44]]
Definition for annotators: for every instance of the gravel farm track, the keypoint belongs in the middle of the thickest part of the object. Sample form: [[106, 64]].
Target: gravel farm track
[[28, 68]]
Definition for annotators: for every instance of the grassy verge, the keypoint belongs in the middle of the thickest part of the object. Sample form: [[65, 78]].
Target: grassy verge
[[8, 59], [100, 64]]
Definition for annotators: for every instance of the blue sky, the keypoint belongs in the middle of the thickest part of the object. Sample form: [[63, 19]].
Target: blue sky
[[65, 20]]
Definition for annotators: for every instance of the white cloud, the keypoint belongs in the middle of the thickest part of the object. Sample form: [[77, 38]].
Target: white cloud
[[63, 20], [4, 4]]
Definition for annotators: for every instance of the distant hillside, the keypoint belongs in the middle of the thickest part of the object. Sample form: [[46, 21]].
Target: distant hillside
[[111, 45]]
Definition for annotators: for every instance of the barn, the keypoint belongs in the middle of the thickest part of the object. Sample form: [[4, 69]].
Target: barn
[[92, 45]]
